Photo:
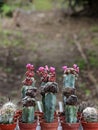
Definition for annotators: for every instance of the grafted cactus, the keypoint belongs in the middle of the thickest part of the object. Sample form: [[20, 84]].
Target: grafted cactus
[[28, 95], [69, 97], [48, 90]]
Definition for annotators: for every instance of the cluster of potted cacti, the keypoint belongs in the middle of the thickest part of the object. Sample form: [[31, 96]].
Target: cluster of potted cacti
[[70, 115]]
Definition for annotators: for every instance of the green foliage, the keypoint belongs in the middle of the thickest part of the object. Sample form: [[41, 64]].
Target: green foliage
[[87, 92], [92, 58], [95, 41], [43, 4], [7, 10], [94, 29], [81, 63], [9, 38]]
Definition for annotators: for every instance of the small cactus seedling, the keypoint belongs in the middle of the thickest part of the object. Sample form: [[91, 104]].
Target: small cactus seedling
[[90, 114], [7, 113], [28, 95]]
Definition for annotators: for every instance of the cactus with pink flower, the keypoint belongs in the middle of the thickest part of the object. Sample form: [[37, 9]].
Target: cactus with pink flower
[[28, 95], [70, 75], [49, 88], [69, 97]]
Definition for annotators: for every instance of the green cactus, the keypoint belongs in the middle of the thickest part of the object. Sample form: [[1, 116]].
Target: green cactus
[[71, 114], [69, 80], [50, 104], [29, 92], [7, 113], [90, 114], [28, 114]]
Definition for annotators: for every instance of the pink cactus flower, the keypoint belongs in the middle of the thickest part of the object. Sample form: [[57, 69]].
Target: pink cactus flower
[[52, 69], [28, 66], [64, 68], [41, 69], [75, 66], [77, 69], [46, 68]]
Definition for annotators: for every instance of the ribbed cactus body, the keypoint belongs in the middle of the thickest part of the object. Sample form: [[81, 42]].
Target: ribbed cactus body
[[50, 104], [71, 113], [28, 114], [69, 80], [23, 91]]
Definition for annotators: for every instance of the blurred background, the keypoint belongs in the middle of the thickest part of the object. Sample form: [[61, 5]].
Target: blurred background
[[53, 33]]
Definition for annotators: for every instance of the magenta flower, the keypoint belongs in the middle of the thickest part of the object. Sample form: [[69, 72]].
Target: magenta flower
[[52, 69], [41, 69], [46, 68], [64, 68], [75, 66], [28, 66], [77, 69]]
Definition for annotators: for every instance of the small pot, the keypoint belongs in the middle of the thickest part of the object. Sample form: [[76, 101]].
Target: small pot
[[49, 126], [7, 126], [90, 126], [39, 114], [27, 126], [70, 126]]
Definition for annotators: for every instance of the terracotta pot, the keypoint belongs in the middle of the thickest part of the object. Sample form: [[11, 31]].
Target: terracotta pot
[[7, 126], [79, 116], [17, 115], [70, 126], [49, 126], [27, 126], [90, 126], [40, 114]]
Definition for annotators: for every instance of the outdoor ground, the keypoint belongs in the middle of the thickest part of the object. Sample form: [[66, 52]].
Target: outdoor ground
[[48, 38]]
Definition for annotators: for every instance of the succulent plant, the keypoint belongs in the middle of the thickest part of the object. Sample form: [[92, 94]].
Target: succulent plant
[[90, 114], [69, 98], [7, 113], [49, 88], [29, 92]]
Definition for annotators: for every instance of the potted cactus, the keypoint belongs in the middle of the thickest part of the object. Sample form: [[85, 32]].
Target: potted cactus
[[69, 98], [28, 99], [7, 113], [90, 116], [49, 88]]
